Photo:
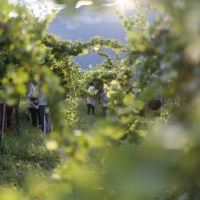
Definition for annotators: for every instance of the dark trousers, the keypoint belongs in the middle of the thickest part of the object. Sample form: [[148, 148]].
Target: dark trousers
[[41, 113], [1, 117], [34, 116], [9, 110], [90, 107], [8, 116]]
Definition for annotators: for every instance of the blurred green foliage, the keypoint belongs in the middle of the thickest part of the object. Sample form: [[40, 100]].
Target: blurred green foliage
[[162, 57]]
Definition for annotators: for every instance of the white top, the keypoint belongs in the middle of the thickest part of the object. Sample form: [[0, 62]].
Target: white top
[[90, 101], [32, 90], [42, 99]]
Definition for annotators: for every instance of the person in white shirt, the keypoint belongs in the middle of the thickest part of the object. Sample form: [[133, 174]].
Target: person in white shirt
[[90, 101]]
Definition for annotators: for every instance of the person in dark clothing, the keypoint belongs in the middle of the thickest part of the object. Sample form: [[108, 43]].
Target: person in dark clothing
[[9, 111], [90, 108], [33, 104], [44, 112], [7, 116]]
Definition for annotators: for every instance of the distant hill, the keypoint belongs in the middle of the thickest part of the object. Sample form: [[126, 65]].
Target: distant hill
[[85, 26]]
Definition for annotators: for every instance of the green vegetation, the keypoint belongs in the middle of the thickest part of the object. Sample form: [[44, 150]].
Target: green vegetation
[[24, 153], [134, 153]]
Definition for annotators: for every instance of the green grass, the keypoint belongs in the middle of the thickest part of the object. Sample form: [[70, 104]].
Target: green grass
[[84, 121], [87, 122], [25, 153]]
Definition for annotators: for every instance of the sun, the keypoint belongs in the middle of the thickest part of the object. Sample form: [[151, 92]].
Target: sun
[[121, 5], [124, 5]]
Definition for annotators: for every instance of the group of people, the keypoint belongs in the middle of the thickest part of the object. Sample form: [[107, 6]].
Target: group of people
[[103, 99], [38, 108]]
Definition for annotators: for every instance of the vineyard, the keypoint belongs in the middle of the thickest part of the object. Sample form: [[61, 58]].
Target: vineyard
[[146, 147]]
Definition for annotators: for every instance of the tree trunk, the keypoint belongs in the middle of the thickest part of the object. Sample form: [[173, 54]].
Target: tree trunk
[[17, 115]]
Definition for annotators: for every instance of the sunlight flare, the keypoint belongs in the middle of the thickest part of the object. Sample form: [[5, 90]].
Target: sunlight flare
[[122, 5], [83, 3]]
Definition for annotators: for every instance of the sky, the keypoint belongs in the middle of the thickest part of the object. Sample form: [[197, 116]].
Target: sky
[[84, 25], [42, 7], [83, 17], [87, 17]]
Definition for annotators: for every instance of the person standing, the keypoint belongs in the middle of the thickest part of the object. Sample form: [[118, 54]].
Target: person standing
[[104, 101], [44, 112], [90, 100], [33, 103], [9, 111]]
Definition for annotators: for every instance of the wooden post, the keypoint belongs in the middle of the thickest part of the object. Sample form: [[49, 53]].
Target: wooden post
[[2, 131]]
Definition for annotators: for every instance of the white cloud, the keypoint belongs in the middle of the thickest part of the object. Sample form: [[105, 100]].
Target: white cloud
[[84, 16], [39, 8], [72, 26], [87, 17], [83, 3]]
